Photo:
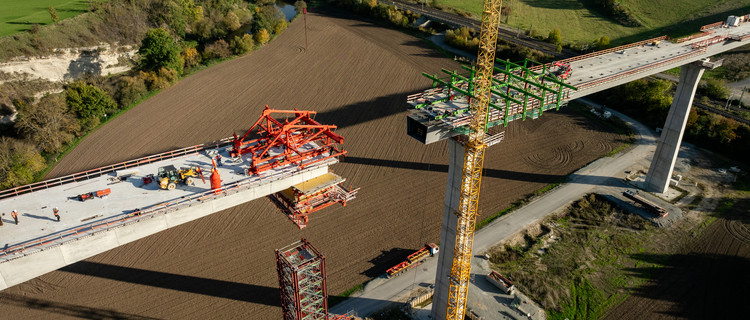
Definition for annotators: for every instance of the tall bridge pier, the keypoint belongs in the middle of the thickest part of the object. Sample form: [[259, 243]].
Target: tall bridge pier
[[660, 171]]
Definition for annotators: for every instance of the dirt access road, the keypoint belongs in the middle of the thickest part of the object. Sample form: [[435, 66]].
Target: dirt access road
[[356, 75]]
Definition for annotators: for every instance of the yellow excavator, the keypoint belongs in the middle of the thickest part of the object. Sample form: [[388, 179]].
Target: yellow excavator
[[169, 176]]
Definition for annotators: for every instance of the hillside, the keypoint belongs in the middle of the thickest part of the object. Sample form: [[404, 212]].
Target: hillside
[[18, 15], [585, 21]]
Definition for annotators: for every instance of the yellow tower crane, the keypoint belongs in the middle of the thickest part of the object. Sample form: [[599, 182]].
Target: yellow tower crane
[[473, 162]]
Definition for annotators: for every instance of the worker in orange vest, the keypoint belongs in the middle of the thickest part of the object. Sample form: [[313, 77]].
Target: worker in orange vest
[[14, 214], [56, 212]]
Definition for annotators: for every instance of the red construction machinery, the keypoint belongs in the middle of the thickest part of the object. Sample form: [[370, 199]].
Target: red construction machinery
[[413, 260], [95, 194], [561, 70], [297, 139], [312, 195]]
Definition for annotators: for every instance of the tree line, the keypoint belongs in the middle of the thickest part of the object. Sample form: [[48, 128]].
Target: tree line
[[175, 37], [649, 102]]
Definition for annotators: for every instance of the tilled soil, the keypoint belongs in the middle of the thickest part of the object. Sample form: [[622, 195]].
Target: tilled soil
[[356, 75], [708, 279]]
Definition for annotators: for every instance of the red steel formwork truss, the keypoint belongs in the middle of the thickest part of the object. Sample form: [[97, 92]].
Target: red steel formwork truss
[[301, 140], [299, 201], [302, 279]]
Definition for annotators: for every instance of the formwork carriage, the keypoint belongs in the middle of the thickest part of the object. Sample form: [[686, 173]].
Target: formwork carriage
[[297, 139], [302, 199]]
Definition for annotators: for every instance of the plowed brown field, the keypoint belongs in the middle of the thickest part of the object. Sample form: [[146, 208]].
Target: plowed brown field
[[356, 75], [709, 279]]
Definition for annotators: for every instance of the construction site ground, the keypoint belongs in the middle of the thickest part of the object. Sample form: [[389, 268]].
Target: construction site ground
[[356, 75], [667, 278], [700, 271]]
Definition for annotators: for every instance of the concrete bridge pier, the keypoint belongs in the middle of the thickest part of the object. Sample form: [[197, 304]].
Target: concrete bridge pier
[[448, 230], [660, 171]]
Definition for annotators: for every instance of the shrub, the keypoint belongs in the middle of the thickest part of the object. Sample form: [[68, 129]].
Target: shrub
[[159, 80], [88, 102], [53, 14], [190, 57], [266, 18], [299, 6], [602, 43], [242, 45], [555, 36], [219, 49], [715, 88], [129, 90], [279, 26], [462, 39], [19, 163]]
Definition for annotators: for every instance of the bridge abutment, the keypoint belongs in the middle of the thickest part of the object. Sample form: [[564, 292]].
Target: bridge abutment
[[660, 171]]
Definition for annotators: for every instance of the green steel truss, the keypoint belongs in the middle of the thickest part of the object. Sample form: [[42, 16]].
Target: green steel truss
[[517, 92]]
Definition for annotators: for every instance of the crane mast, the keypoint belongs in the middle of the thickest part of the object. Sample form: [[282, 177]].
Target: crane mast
[[473, 162]]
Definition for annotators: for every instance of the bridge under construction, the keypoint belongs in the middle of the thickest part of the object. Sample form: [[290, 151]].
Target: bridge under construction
[[292, 163]]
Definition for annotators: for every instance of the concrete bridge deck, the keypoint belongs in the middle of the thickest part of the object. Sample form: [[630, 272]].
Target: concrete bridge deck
[[601, 70], [40, 244]]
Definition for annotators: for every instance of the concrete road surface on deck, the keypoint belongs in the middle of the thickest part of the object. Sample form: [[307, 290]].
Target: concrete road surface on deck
[[381, 292], [36, 220]]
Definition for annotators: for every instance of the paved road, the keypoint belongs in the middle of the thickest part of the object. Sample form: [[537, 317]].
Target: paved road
[[381, 292]]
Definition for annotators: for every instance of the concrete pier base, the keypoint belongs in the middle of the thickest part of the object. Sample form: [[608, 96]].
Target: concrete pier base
[[660, 171], [448, 230]]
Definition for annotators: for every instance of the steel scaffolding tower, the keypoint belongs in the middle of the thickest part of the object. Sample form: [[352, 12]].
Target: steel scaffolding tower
[[302, 279]]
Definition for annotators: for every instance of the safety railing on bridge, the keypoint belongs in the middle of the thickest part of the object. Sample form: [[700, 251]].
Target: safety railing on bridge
[[602, 52], [692, 36], [59, 238], [98, 172], [713, 25], [638, 69]]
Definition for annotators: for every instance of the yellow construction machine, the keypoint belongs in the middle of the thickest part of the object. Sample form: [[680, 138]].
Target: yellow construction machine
[[169, 176]]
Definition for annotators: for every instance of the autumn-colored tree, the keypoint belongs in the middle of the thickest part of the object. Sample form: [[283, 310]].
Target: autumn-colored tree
[[231, 21], [20, 162], [47, 124], [262, 36], [191, 57], [219, 49]]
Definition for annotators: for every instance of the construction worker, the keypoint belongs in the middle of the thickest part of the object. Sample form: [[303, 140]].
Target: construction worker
[[14, 214], [218, 160], [56, 212]]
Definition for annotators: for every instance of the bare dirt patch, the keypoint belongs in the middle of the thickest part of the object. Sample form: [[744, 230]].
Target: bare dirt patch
[[356, 75]]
